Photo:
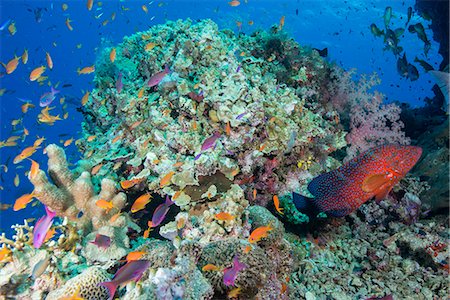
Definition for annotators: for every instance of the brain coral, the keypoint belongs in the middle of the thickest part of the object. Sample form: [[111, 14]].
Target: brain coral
[[85, 284], [221, 86]]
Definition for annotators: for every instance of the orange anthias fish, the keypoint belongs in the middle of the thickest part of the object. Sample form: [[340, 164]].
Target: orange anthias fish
[[36, 73], [234, 3], [259, 233], [23, 201], [224, 216], [27, 152], [276, 203], [141, 202], [26, 106], [127, 184], [86, 70], [281, 23], [106, 205], [89, 4], [34, 169], [135, 255], [210, 267], [166, 179], [69, 26], [25, 57], [4, 254], [49, 60], [11, 66], [112, 55], [371, 174], [85, 98]]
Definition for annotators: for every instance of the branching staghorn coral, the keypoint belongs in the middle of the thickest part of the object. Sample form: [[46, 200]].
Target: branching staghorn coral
[[68, 195]]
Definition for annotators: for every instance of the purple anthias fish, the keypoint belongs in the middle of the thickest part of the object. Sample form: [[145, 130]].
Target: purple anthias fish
[[101, 241], [47, 98], [156, 79], [41, 228], [119, 83], [161, 211], [131, 271], [230, 274], [208, 144]]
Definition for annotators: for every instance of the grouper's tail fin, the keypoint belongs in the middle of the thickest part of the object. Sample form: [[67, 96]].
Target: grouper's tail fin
[[304, 204]]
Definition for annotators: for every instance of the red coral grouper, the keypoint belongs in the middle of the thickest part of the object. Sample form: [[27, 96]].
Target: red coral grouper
[[372, 174]]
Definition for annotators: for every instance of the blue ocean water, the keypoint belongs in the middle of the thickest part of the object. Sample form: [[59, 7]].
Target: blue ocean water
[[341, 26]]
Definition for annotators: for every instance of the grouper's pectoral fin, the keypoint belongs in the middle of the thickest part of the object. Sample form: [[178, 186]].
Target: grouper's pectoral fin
[[380, 185]]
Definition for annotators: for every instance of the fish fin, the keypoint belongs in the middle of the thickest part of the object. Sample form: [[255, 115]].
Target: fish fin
[[111, 288], [383, 193], [304, 204], [373, 183], [442, 80], [169, 201], [167, 70]]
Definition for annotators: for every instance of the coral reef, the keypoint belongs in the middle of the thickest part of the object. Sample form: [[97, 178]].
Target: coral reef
[[219, 124]]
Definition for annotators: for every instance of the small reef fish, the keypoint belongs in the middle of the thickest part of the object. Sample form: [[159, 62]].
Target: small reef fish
[[442, 79], [131, 271], [135, 255], [49, 60], [4, 254], [156, 79], [234, 3], [26, 106], [89, 4], [119, 83], [5, 206], [387, 16], [112, 55], [234, 293], [86, 70], [85, 98], [34, 169], [161, 211], [36, 73], [371, 174], [23, 201], [12, 28], [69, 26], [150, 46], [11, 66], [280, 27], [68, 142], [276, 203], [259, 233], [210, 267], [41, 228], [25, 56], [46, 118], [141, 202], [101, 241], [375, 30], [166, 179], [208, 144], [230, 274], [224, 216], [128, 184], [106, 205], [27, 152], [47, 98], [40, 267]]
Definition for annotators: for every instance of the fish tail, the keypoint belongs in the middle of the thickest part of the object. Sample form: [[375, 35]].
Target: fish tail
[[111, 288], [167, 70], [237, 265], [168, 200], [304, 204]]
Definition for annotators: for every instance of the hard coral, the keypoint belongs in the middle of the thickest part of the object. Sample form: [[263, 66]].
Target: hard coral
[[68, 195]]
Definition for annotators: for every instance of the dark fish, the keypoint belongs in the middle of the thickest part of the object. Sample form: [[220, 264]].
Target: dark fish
[[101, 241], [322, 52], [402, 66], [426, 66], [410, 13], [375, 30], [371, 174], [387, 16], [296, 11], [66, 85], [399, 31], [413, 74]]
